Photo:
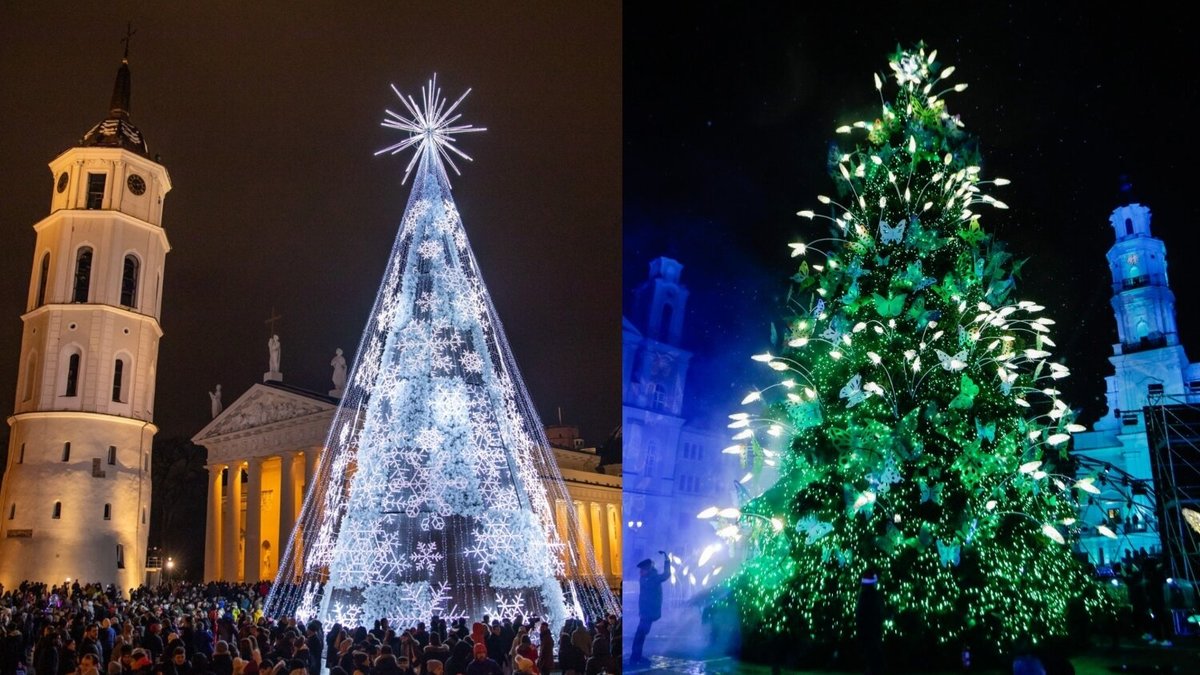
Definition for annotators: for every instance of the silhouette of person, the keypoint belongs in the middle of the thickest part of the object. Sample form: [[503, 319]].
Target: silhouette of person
[[649, 602], [868, 616]]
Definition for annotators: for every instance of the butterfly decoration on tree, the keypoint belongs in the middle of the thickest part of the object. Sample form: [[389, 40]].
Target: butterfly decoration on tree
[[972, 233], [920, 315], [853, 392], [952, 362], [812, 529], [885, 479], [949, 552], [891, 306], [966, 394], [930, 492], [889, 234], [834, 331], [986, 431]]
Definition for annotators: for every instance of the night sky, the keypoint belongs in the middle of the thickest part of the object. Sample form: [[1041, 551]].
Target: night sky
[[266, 115], [729, 114]]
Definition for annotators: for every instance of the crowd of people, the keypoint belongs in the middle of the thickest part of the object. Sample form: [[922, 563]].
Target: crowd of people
[[219, 629]]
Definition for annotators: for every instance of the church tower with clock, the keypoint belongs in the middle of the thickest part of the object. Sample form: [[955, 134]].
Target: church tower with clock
[[1148, 362], [75, 501]]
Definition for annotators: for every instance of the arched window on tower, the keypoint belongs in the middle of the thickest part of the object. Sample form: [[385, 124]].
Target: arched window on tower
[[72, 375], [1129, 226], [1142, 329], [129, 281], [83, 274], [118, 380], [43, 277], [57, 513], [108, 511], [664, 326]]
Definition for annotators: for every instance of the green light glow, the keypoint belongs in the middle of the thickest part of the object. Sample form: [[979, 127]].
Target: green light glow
[[929, 398]]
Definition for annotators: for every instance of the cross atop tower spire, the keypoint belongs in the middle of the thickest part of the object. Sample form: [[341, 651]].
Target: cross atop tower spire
[[119, 107], [129, 33], [116, 130]]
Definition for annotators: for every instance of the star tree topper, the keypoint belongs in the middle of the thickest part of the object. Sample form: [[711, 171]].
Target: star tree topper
[[430, 126]]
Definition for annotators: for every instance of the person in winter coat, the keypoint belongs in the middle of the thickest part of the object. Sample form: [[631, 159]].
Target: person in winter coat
[[570, 658], [122, 661], [649, 602], [152, 641], [45, 653], [545, 660], [222, 661], [482, 665], [68, 658], [497, 644], [434, 650], [12, 651], [460, 658], [140, 663]]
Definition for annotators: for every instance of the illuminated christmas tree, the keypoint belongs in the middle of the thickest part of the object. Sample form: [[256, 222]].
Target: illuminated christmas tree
[[914, 422], [438, 491]]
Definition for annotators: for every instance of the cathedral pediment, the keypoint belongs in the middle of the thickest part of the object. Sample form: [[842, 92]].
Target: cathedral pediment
[[263, 406]]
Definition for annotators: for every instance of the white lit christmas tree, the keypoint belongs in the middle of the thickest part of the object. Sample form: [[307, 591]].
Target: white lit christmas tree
[[438, 493]]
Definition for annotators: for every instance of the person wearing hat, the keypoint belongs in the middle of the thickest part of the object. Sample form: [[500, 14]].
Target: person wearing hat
[[482, 665], [649, 602]]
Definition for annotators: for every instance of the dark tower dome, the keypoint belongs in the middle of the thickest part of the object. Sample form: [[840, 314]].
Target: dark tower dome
[[116, 131]]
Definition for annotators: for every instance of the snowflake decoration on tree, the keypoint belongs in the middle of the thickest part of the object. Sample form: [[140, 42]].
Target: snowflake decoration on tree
[[509, 607], [429, 249], [426, 556]]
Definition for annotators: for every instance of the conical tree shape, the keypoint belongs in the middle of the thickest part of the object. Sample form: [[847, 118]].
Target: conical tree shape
[[438, 491], [915, 420]]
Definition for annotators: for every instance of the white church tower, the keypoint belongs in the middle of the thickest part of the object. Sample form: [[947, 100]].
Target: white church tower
[[75, 500], [1148, 360]]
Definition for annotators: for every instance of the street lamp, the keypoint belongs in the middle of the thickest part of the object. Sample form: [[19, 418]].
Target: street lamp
[[170, 566]]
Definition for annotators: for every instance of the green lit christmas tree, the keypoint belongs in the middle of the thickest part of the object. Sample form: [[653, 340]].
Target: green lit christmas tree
[[915, 421]]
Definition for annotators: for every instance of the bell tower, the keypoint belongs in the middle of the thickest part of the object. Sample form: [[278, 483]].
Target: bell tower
[[1148, 361], [1148, 358], [75, 501]]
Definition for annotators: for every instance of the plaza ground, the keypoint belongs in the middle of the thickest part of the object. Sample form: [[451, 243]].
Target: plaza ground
[[681, 647]]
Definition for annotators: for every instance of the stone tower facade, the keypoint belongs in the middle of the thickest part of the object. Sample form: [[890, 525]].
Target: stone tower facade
[[1148, 360], [76, 494]]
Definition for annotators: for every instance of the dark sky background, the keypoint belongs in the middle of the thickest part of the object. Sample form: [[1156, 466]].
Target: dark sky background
[[729, 113], [267, 115]]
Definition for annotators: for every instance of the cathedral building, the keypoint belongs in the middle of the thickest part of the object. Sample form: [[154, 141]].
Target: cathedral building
[[1148, 363], [270, 440], [75, 500]]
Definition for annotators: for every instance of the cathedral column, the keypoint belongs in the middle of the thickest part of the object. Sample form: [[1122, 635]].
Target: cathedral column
[[584, 537], [287, 501], [232, 526], [253, 557], [212, 525], [310, 466], [604, 556]]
